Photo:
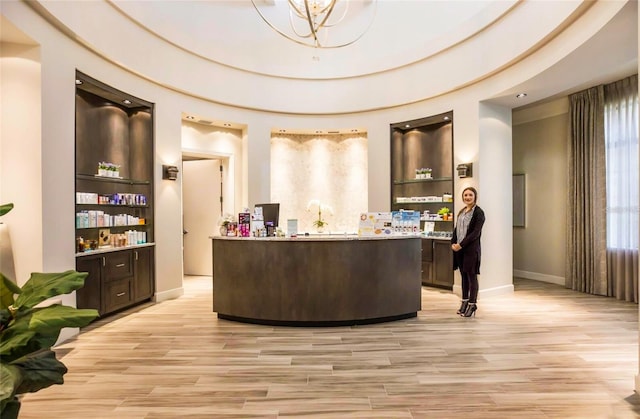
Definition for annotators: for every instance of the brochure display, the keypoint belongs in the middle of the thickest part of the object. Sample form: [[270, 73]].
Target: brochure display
[[396, 223]]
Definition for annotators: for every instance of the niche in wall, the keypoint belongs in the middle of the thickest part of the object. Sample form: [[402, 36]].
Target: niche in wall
[[332, 168]]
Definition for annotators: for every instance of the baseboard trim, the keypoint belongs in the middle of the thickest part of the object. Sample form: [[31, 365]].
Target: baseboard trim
[[495, 291], [552, 279], [168, 295], [487, 292]]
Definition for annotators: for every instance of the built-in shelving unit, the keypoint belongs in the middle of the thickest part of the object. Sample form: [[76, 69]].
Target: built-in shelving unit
[[114, 214], [417, 144]]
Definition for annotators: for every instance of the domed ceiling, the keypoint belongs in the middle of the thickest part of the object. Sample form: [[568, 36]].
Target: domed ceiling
[[412, 51], [232, 33]]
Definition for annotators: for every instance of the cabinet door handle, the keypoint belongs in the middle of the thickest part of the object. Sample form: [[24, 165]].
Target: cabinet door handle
[[104, 262], [120, 294], [136, 252], [119, 265]]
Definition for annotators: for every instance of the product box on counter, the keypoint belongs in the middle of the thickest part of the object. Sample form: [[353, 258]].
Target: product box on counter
[[375, 224], [405, 223], [244, 224]]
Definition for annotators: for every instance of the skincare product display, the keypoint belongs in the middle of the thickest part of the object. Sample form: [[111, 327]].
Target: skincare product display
[[130, 199]]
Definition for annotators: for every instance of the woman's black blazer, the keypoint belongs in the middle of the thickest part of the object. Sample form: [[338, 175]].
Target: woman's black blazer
[[467, 259]]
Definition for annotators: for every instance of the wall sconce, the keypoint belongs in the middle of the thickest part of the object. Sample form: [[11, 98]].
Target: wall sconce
[[465, 170], [169, 172]]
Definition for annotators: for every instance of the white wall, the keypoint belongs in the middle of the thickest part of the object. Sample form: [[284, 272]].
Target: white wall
[[540, 152], [329, 168], [20, 173]]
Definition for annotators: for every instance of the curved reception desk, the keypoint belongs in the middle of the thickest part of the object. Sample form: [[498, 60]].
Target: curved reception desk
[[316, 281]]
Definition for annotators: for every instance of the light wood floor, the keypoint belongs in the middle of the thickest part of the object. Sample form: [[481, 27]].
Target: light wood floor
[[543, 352]]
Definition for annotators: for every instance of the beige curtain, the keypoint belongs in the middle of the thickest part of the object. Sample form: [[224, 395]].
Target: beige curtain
[[621, 122], [586, 268]]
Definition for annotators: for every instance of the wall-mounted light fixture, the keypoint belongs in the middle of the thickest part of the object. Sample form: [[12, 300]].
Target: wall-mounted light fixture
[[465, 170], [169, 172]]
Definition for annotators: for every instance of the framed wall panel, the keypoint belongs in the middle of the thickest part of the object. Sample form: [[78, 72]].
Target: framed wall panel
[[519, 192]]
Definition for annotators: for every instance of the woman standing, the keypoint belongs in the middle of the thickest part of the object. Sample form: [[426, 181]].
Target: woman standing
[[466, 248]]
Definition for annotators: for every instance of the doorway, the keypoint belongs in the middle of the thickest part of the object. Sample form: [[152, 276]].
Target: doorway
[[201, 210]]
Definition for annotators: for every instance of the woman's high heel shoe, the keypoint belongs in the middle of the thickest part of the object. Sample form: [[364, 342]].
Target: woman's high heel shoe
[[463, 306], [471, 310]]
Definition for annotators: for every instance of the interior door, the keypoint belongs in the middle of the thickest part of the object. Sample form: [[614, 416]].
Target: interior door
[[201, 210]]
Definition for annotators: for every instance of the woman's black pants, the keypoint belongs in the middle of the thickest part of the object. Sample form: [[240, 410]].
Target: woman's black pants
[[469, 287]]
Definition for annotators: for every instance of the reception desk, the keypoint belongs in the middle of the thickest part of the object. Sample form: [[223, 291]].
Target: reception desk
[[316, 281]]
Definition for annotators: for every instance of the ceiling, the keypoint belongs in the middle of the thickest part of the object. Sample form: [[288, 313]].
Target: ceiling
[[407, 37], [403, 34], [611, 54]]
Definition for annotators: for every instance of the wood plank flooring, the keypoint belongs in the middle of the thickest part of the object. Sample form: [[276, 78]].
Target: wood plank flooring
[[543, 352]]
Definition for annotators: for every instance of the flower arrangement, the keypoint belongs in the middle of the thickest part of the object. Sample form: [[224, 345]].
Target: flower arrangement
[[225, 223], [423, 173], [315, 203], [225, 220]]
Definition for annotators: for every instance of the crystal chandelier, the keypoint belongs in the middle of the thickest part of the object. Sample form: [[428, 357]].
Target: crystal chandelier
[[310, 20]]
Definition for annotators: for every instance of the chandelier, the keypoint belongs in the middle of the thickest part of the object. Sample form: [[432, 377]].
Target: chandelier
[[310, 20]]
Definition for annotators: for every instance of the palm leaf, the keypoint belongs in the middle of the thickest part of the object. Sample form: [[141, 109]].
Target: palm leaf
[[5, 208], [39, 370], [42, 286], [7, 290]]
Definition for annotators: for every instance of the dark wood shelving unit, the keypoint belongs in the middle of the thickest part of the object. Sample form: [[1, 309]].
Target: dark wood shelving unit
[[426, 143], [110, 130]]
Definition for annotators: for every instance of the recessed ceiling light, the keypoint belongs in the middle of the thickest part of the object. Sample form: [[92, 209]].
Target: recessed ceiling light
[[126, 102], [78, 82], [190, 117], [446, 118], [407, 126], [521, 95]]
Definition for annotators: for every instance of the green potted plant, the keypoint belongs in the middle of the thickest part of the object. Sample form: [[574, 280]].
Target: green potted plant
[[28, 329], [444, 212], [103, 167]]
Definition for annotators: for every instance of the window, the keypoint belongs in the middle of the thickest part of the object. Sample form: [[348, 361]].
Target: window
[[621, 144]]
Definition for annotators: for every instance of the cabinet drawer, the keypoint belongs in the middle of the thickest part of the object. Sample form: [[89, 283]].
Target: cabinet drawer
[[118, 265], [117, 294]]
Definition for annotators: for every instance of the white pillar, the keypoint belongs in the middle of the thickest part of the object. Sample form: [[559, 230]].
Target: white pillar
[[259, 163], [494, 172], [21, 158], [482, 136]]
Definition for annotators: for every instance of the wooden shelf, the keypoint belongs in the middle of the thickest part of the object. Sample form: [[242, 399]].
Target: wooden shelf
[[422, 203], [111, 179], [113, 205], [406, 181], [103, 227]]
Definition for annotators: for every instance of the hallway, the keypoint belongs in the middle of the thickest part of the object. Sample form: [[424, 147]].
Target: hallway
[[543, 352]]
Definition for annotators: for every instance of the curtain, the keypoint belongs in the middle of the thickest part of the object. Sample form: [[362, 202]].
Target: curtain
[[586, 268], [621, 143]]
